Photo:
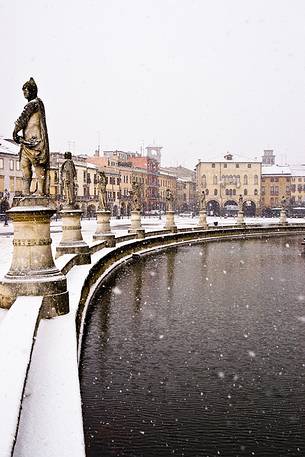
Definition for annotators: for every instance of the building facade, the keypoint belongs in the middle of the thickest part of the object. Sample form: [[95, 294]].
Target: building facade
[[224, 179], [10, 173]]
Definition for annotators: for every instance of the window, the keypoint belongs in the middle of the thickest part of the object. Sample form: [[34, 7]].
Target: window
[[276, 189], [255, 180], [255, 192], [214, 179], [245, 192], [215, 191], [213, 165], [227, 191], [12, 184], [207, 192], [204, 180], [225, 165], [1, 164], [11, 164], [234, 191], [276, 179], [245, 180], [249, 165], [237, 165], [17, 165], [287, 189], [118, 181], [263, 190]]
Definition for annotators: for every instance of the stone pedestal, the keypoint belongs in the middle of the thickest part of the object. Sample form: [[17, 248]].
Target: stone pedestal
[[170, 221], [240, 218], [72, 240], [135, 222], [32, 270], [283, 217], [203, 219], [103, 230]]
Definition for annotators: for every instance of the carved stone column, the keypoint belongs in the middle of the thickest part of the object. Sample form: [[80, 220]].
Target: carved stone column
[[32, 270], [202, 219], [103, 230], [72, 240], [170, 221], [283, 217]]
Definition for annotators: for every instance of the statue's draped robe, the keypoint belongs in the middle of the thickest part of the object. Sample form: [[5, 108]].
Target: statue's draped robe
[[32, 122]]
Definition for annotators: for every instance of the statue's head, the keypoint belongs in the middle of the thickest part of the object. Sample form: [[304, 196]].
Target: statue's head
[[68, 155], [30, 89]]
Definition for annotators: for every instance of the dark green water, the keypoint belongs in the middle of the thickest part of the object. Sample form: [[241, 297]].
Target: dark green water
[[199, 351]]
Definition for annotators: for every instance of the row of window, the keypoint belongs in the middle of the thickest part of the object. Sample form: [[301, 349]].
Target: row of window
[[13, 164], [231, 192], [230, 179], [225, 165]]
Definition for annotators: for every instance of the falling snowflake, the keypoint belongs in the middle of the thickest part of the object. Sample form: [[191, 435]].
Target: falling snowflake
[[251, 354], [117, 291]]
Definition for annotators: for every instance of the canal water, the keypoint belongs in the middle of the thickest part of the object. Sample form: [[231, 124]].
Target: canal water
[[199, 351]]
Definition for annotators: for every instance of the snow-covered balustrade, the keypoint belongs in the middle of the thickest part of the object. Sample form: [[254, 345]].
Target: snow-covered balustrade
[[17, 337]]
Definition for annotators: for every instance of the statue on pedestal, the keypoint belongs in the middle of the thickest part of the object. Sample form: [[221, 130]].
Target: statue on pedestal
[[68, 175], [203, 203], [169, 200], [34, 143], [102, 193], [136, 196], [240, 203], [283, 202]]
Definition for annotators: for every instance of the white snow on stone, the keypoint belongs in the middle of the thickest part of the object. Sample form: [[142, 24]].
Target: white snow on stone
[[17, 331]]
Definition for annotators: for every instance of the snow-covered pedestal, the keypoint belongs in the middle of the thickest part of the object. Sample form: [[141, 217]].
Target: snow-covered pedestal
[[240, 218], [135, 221], [103, 230], [283, 217], [72, 240], [32, 270], [170, 221], [202, 219]]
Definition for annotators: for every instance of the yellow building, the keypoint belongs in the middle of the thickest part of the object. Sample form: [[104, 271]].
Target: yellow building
[[167, 180], [225, 178]]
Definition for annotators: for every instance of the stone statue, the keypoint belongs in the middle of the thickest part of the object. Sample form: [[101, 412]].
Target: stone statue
[[283, 202], [34, 143], [203, 203], [169, 200], [68, 175], [240, 203], [136, 196], [102, 193]]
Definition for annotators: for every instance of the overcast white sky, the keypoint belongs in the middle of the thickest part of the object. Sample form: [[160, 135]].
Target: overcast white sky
[[197, 77]]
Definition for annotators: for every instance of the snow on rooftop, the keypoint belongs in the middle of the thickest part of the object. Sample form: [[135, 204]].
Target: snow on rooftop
[[276, 170], [8, 146], [230, 158]]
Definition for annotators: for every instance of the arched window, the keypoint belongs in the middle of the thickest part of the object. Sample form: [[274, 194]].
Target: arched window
[[215, 191], [255, 192], [245, 192], [227, 191], [245, 180]]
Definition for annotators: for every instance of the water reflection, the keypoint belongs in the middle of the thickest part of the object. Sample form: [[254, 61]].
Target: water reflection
[[199, 351]]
